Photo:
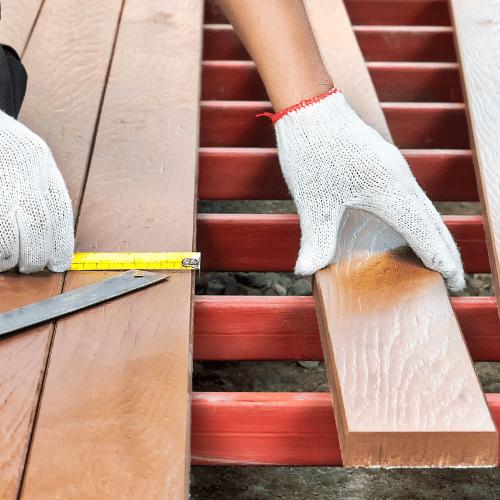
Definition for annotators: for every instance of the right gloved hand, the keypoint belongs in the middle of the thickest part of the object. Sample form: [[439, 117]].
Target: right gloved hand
[[332, 160], [36, 217]]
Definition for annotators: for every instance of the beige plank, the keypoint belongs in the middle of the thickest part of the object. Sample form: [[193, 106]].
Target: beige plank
[[477, 39], [67, 60], [18, 18], [49, 109], [404, 388], [114, 418]]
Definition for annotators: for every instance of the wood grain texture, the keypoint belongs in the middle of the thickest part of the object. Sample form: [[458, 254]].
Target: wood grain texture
[[477, 38], [66, 60], [18, 19], [22, 359], [403, 393], [114, 417], [144, 188]]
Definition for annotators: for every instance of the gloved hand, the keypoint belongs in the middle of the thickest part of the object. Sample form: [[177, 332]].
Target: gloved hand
[[36, 217], [331, 160]]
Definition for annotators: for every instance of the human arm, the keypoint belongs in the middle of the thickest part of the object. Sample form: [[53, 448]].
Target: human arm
[[330, 158]]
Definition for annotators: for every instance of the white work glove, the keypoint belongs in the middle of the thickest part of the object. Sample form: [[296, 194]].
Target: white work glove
[[36, 217], [331, 160]]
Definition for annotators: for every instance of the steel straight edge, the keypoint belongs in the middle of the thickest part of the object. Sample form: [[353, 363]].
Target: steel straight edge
[[233, 242], [270, 428], [285, 328]]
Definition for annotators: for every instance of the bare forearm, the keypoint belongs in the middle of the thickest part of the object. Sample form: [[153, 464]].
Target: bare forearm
[[279, 38]]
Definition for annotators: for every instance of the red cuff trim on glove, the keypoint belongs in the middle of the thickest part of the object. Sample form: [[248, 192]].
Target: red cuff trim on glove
[[275, 117]]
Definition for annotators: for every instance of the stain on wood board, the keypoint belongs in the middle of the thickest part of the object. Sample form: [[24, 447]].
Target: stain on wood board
[[404, 386]]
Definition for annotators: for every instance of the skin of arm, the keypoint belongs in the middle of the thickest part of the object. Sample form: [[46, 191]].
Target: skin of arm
[[279, 38]]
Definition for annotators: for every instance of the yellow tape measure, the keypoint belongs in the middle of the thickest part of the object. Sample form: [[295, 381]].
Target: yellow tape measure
[[119, 261]]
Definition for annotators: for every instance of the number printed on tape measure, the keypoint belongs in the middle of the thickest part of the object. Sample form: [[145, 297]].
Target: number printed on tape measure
[[120, 261]]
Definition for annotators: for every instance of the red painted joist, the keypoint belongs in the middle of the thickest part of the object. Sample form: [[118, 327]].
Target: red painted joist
[[416, 82], [247, 242], [406, 43], [254, 174], [271, 328], [378, 12], [398, 82], [399, 12], [270, 428], [413, 125], [377, 43]]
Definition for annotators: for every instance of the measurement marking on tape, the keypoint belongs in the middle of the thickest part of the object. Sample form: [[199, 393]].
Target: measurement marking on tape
[[120, 261]]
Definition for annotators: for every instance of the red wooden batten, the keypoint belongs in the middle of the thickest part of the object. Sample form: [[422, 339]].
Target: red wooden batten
[[238, 428]]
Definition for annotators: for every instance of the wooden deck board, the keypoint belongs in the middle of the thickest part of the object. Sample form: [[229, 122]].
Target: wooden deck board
[[18, 19], [66, 121], [114, 417], [404, 393], [478, 46]]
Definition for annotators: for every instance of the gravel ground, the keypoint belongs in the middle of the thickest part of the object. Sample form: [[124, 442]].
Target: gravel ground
[[291, 376]]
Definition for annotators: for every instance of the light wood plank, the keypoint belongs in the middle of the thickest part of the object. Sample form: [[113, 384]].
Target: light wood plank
[[404, 393], [61, 105], [18, 19], [114, 420], [405, 390], [477, 39]]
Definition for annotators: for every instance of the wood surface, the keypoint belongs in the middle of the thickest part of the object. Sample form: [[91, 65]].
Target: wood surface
[[66, 120], [18, 21], [477, 40], [403, 393], [270, 328], [270, 428], [114, 417]]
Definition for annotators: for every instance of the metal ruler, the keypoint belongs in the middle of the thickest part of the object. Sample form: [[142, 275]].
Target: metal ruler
[[119, 261], [76, 300]]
